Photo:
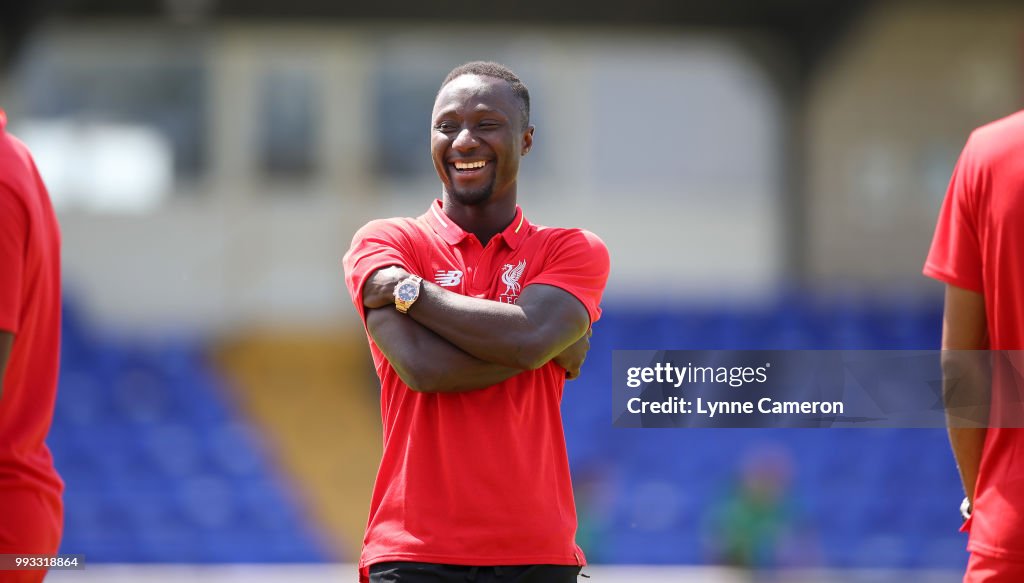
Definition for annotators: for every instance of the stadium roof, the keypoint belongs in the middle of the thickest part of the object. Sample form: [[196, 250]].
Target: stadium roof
[[807, 26]]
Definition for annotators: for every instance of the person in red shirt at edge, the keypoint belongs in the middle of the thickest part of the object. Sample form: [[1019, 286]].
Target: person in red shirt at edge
[[475, 318], [31, 511], [977, 251]]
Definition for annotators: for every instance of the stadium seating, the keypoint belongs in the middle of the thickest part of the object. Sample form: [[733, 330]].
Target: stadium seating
[[161, 466], [158, 464], [862, 498]]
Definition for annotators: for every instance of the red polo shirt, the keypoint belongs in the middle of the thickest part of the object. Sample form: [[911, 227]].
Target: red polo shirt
[[979, 246], [30, 489], [481, 477]]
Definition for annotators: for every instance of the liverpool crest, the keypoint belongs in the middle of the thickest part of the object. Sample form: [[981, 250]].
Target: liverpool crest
[[510, 275]]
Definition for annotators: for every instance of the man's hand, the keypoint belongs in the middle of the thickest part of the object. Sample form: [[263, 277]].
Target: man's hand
[[571, 359], [379, 290]]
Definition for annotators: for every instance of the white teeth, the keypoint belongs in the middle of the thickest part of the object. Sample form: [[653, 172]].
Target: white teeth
[[470, 165]]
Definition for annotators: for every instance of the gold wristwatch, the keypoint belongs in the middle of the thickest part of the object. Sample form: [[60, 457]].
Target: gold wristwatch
[[407, 292]]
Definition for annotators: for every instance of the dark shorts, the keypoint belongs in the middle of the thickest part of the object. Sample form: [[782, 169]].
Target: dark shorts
[[403, 572]]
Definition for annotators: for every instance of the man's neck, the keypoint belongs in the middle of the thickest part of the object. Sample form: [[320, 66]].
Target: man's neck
[[483, 220]]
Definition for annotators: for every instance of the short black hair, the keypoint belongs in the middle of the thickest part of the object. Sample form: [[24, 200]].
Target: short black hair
[[492, 69]]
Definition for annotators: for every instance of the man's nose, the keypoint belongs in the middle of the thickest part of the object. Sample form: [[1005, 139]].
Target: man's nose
[[465, 140]]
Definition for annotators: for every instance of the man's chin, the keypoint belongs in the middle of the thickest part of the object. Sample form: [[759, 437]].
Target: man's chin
[[471, 197]]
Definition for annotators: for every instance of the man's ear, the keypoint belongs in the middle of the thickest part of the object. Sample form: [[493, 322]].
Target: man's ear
[[527, 140]]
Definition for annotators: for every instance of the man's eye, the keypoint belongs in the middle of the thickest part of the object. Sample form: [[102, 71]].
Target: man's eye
[[489, 124], [445, 126]]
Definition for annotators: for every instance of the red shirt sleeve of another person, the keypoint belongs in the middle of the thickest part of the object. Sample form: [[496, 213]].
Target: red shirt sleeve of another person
[[577, 263], [380, 243], [13, 236], [955, 255]]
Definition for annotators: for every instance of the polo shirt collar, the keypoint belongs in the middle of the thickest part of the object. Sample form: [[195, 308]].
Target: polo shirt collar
[[453, 234]]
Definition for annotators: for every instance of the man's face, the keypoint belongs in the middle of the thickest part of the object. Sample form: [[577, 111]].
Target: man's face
[[477, 138]]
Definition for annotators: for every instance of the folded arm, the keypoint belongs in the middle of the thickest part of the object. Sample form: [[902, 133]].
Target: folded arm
[[425, 361], [543, 322]]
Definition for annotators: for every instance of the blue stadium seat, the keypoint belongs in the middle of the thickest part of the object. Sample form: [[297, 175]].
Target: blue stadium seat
[[153, 457]]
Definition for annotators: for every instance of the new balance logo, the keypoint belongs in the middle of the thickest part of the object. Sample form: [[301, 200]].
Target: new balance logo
[[448, 278]]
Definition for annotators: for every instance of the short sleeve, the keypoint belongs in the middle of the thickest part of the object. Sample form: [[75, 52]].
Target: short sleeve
[[955, 254], [13, 246], [378, 244], [578, 263]]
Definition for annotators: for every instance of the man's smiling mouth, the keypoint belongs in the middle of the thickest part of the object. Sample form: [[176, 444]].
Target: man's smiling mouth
[[469, 166]]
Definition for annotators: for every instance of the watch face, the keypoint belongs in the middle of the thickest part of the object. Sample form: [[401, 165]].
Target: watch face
[[406, 292]]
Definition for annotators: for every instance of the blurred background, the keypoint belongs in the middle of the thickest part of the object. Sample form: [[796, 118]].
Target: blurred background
[[766, 174]]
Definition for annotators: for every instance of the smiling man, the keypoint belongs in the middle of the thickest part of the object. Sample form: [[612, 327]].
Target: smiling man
[[475, 318]]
